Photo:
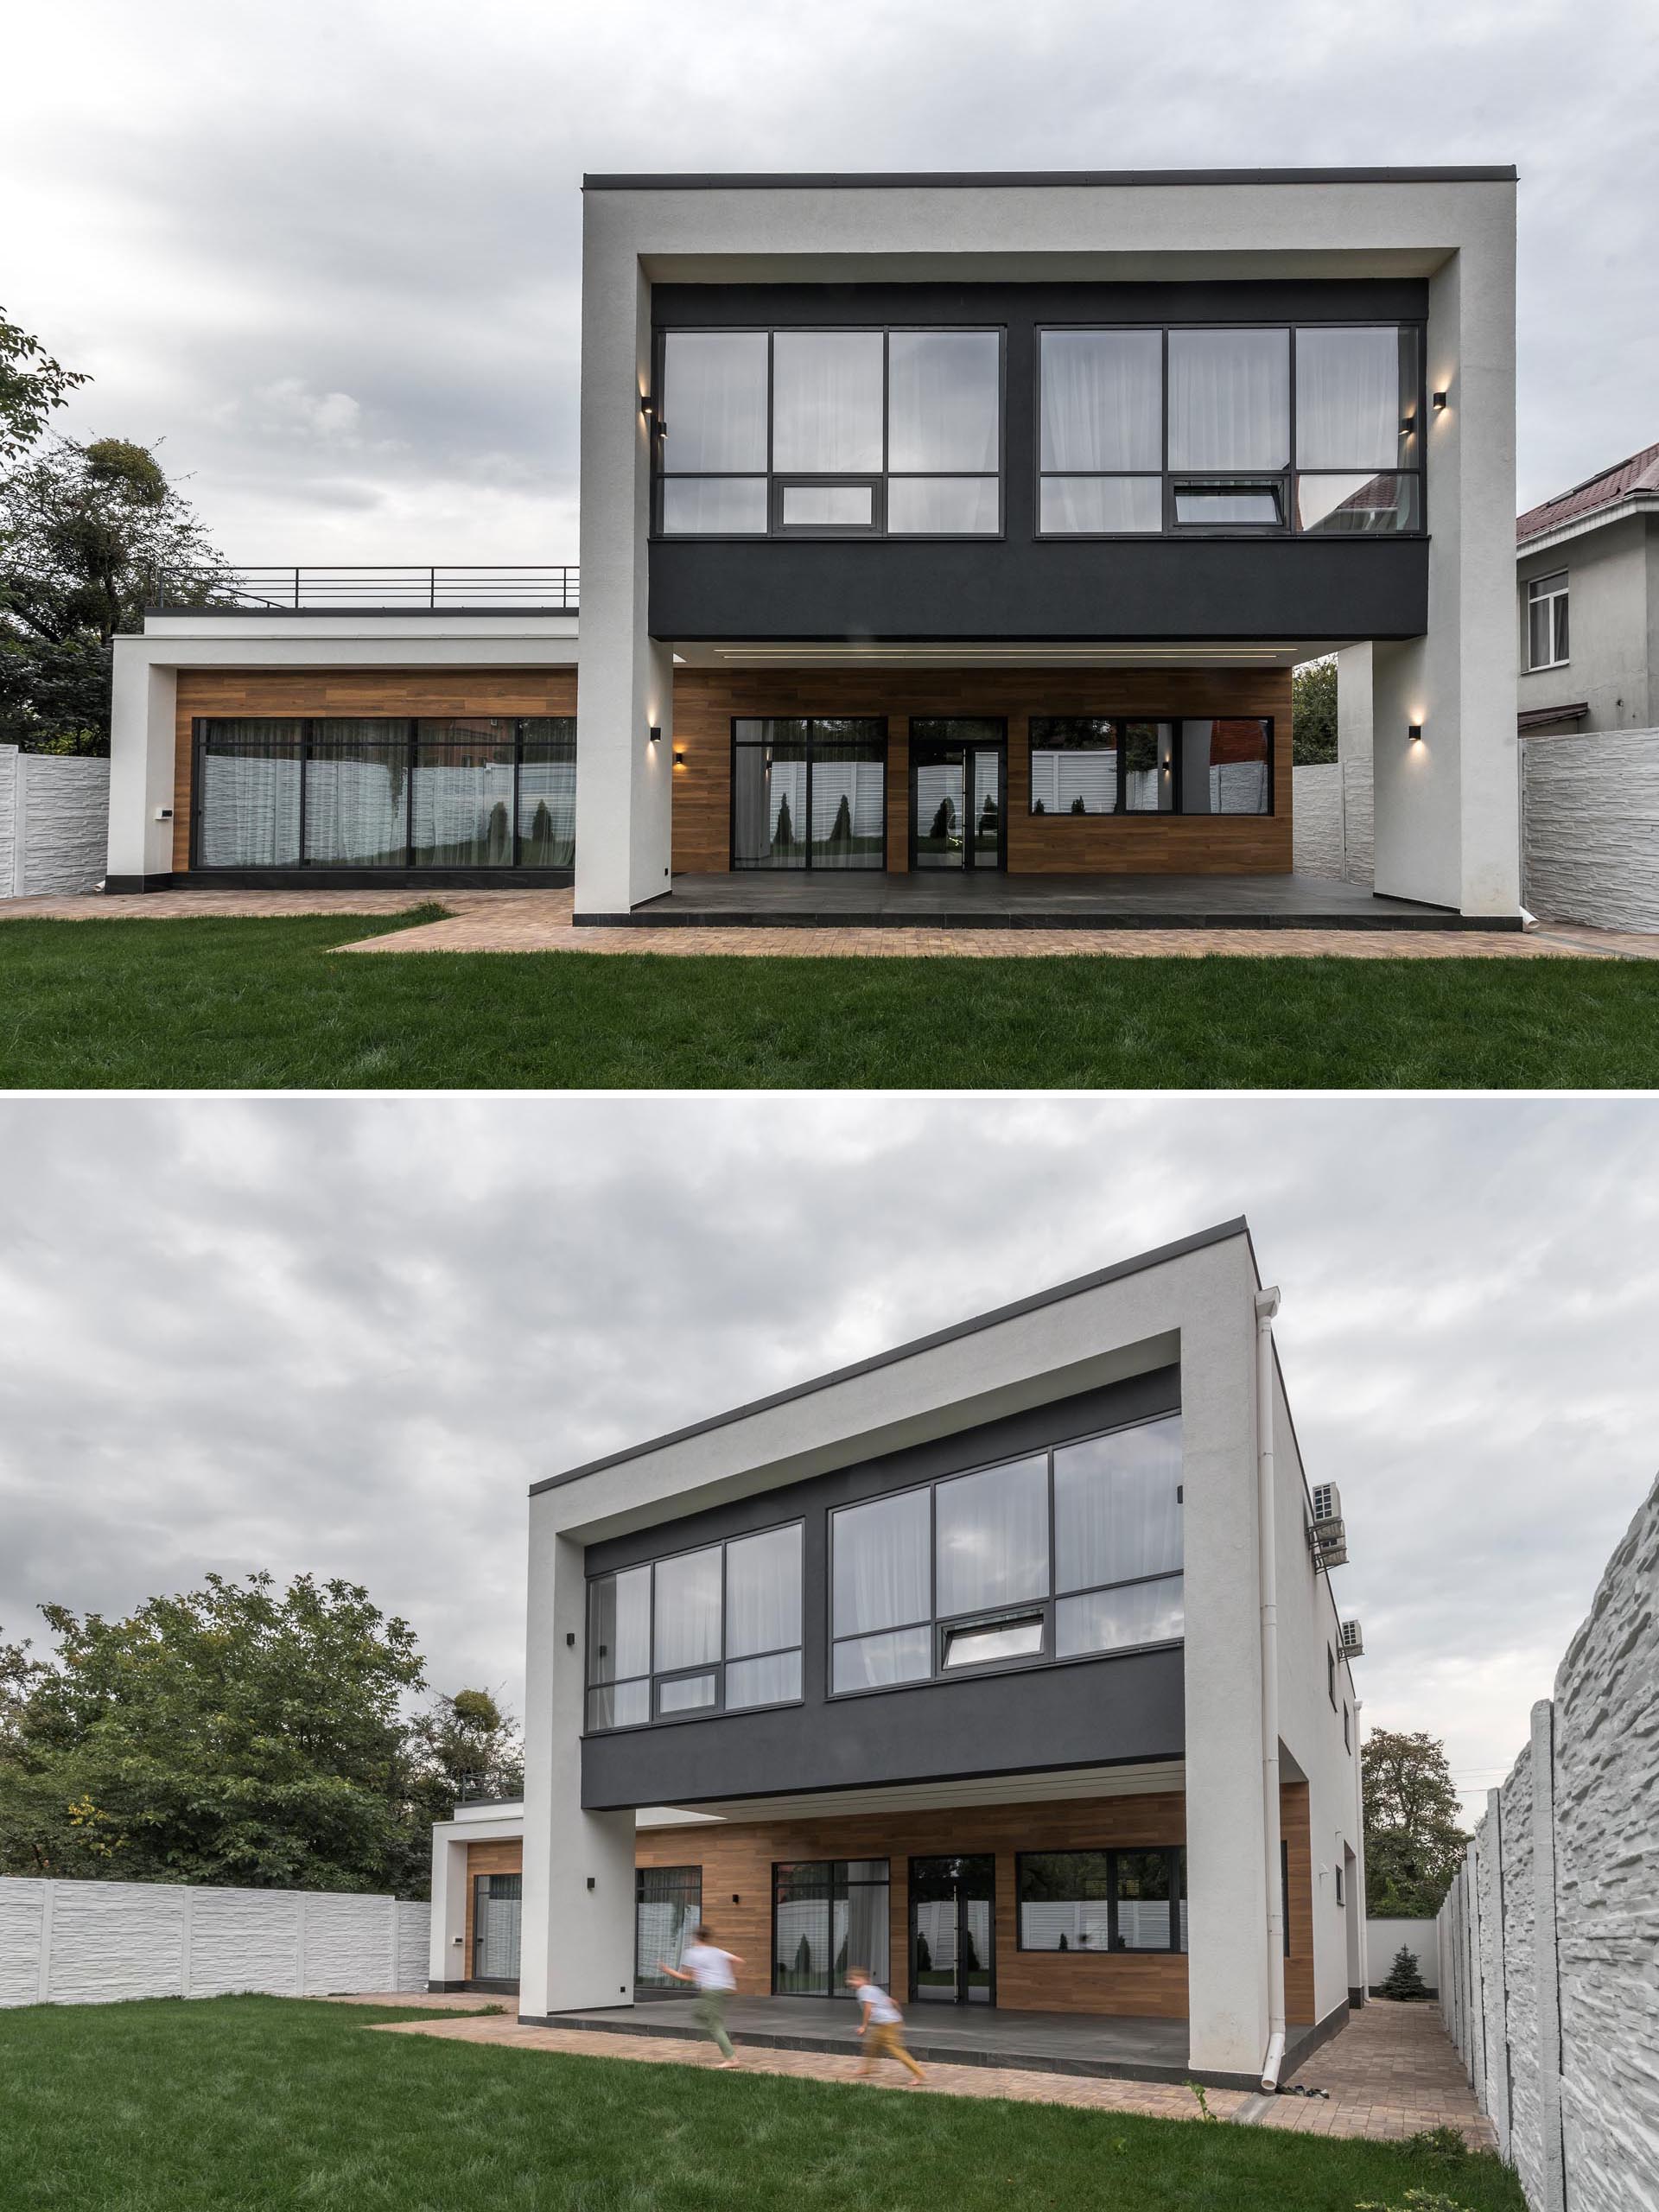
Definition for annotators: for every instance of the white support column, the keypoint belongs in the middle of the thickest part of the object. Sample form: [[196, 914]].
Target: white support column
[[1229, 1999], [44, 1983], [1354, 743], [143, 710], [187, 1901], [577, 1949], [446, 1955], [624, 782], [1545, 1961]]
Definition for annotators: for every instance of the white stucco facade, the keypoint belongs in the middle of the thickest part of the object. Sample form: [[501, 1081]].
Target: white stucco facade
[[1446, 807], [1193, 1305]]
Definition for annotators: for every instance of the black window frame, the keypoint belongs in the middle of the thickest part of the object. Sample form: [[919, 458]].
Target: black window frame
[[656, 1988], [1286, 478], [1121, 723], [939, 1625], [411, 742], [847, 1885], [1174, 1853], [655, 1677], [811, 724], [775, 479]]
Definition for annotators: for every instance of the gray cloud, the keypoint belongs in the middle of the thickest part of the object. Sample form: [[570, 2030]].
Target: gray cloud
[[381, 202], [347, 1335]]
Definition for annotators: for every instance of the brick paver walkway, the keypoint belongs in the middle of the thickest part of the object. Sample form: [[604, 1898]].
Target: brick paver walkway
[[1391, 2072], [539, 921]]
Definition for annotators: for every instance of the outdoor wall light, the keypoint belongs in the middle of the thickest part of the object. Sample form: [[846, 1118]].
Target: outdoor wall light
[[655, 734], [590, 1881], [679, 757], [1439, 402], [655, 425], [736, 1898], [570, 1637], [1407, 423], [1415, 733]]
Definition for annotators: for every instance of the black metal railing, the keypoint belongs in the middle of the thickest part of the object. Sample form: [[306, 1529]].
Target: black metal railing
[[364, 588]]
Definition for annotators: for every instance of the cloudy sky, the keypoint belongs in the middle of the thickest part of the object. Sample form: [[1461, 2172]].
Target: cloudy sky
[[347, 1336], [329, 248]]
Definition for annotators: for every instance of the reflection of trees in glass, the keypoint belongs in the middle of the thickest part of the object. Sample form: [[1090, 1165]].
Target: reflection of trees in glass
[[500, 835], [784, 834], [970, 1950], [988, 818], [1078, 806], [923, 1953], [541, 832], [804, 1959], [944, 822], [840, 835]]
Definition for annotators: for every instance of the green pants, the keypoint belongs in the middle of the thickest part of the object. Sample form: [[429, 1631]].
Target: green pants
[[710, 2016]]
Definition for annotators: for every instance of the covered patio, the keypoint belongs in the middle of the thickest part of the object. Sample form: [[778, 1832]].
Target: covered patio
[[860, 898]]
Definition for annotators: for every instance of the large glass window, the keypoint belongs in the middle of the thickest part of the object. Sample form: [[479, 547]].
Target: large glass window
[[1103, 1900], [957, 1574], [248, 794], [827, 1915], [498, 1912], [1096, 764], [1546, 621], [470, 791], [831, 432], [712, 1629], [809, 792], [668, 1904], [1314, 429]]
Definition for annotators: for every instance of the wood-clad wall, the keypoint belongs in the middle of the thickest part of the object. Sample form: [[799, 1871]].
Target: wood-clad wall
[[278, 691], [500, 1858], [706, 701], [737, 1859]]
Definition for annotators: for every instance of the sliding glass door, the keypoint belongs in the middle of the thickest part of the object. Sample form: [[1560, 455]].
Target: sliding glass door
[[809, 792], [957, 804]]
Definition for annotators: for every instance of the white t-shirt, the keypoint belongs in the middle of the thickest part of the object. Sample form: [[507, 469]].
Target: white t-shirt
[[708, 1968], [878, 2008]]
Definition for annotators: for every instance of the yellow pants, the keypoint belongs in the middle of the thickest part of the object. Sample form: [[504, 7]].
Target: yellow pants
[[887, 2043]]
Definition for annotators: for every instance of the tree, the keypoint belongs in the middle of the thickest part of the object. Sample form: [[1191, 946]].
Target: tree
[[85, 531], [784, 836], [229, 1734], [841, 830], [1313, 713], [464, 1746], [1404, 1979], [32, 386], [1414, 1839]]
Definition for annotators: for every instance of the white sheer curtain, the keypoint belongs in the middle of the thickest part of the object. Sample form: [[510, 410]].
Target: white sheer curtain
[[942, 400], [715, 400], [1115, 1511], [356, 783], [1229, 398], [993, 1537], [250, 795], [1102, 399], [1348, 403], [688, 1610], [826, 405], [763, 1593], [880, 1564]]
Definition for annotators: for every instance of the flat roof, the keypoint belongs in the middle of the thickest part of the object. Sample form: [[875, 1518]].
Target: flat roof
[[967, 180], [1197, 1242]]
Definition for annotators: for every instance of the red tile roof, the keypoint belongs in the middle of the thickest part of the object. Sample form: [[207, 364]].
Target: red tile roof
[[1626, 478]]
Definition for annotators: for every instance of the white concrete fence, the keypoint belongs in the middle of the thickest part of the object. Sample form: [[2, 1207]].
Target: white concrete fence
[[54, 822], [1549, 1937], [96, 1942], [1383, 1940]]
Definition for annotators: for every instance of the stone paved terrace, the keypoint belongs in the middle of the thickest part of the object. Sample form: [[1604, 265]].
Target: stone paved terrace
[[540, 921], [1391, 2073]]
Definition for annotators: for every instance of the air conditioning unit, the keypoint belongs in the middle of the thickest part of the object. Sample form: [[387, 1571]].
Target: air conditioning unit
[[1326, 1538], [1353, 1640]]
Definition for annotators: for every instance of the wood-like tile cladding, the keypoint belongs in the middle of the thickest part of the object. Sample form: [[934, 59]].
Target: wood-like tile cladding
[[736, 1861], [706, 701], [505, 1857], [350, 691]]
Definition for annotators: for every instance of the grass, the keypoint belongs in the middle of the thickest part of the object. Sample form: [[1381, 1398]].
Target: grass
[[258, 1004], [257, 2102]]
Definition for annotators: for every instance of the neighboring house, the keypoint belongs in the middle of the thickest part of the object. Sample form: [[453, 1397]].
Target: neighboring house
[[1588, 586], [966, 524], [1004, 1663]]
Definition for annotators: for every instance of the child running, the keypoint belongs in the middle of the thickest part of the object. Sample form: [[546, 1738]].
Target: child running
[[714, 1973], [883, 2023]]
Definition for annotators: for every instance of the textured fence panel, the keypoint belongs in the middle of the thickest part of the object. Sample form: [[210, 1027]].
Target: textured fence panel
[[55, 813], [1316, 820], [1590, 827], [95, 1942], [1383, 1939], [1559, 1905]]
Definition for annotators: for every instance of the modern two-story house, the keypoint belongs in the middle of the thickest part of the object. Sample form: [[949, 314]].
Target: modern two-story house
[[934, 527], [1005, 1664]]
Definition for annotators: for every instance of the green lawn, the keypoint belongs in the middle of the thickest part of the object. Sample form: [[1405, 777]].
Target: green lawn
[[258, 1004], [255, 2101]]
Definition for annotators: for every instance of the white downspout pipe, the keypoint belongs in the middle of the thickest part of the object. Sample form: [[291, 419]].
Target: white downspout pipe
[[1359, 1853], [1267, 1305]]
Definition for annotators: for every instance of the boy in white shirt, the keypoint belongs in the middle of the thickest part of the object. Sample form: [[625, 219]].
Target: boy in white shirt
[[714, 1973], [883, 2023]]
